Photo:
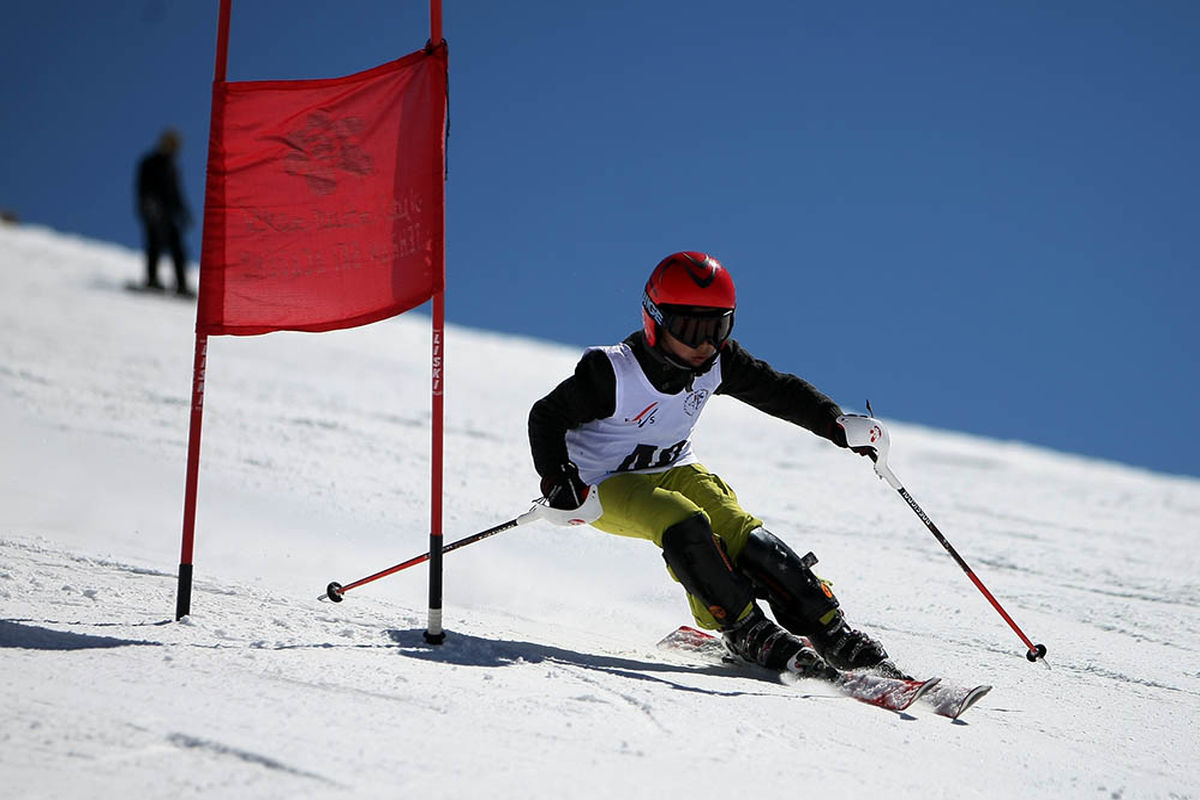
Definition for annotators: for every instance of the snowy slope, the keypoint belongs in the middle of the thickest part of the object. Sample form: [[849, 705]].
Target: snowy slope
[[315, 468]]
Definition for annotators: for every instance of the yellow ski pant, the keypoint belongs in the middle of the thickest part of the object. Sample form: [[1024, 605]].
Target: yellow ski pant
[[644, 505]]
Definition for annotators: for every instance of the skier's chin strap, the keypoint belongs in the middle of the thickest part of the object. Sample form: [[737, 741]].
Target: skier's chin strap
[[695, 371], [687, 372]]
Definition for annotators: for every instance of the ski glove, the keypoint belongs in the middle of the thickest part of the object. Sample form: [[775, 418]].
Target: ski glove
[[564, 489], [837, 435]]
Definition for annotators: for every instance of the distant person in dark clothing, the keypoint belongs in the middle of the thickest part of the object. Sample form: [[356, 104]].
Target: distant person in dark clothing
[[163, 212]]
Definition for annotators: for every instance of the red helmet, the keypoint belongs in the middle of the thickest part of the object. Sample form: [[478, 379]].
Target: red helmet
[[692, 296]]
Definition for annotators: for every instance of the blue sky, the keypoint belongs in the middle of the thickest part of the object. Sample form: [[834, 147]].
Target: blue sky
[[980, 215]]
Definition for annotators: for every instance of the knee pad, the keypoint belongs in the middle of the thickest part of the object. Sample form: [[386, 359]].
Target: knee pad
[[800, 601], [698, 562]]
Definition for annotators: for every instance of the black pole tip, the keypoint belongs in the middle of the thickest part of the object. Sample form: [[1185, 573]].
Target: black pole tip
[[334, 592], [435, 638], [1038, 651]]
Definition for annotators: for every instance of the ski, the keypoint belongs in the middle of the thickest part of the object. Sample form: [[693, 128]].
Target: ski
[[693, 640], [950, 700], [159, 290], [893, 694]]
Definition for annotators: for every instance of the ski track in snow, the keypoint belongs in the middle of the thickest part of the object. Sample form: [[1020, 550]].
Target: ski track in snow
[[549, 685]]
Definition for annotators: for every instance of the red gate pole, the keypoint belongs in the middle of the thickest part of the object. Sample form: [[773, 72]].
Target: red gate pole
[[183, 597], [434, 634]]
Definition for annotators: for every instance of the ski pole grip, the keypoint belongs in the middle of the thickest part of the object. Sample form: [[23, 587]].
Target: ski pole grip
[[589, 512], [864, 431]]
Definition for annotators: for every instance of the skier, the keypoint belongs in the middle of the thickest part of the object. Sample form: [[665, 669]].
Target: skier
[[622, 424], [163, 212]]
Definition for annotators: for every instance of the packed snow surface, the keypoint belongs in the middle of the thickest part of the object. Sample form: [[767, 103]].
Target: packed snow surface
[[316, 468]]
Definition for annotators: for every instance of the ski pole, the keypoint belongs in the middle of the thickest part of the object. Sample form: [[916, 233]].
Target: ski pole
[[869, 432], [335, 590], [1035, 651]]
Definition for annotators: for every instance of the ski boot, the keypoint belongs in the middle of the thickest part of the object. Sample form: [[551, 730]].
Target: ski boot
[[846, 648], [760, 641]]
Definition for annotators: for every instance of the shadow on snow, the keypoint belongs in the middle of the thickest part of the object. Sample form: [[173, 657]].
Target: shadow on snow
[[35, 637], [473, 651]]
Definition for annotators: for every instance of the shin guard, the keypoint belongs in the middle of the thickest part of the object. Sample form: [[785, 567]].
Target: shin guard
[[799, 600], [699, 563]]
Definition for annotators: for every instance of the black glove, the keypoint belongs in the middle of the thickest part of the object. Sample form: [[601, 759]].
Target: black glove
[[564, 489], [837, 435]]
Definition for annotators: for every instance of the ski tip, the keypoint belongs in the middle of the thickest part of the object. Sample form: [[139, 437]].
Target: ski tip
[[926, 685], [973, 697], [686, 637], [903, 699]]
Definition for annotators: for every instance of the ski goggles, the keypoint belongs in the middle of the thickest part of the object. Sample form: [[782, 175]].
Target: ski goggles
[[694, 327]]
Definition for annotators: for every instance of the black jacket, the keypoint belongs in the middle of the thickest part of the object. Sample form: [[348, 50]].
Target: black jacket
[[158, 193], [591, 393]]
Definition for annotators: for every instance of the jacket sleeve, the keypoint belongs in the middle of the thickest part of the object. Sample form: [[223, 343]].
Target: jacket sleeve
[[589, 394], [779, 394]]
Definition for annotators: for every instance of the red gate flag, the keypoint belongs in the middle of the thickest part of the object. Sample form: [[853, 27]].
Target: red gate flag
[[323, 207]]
